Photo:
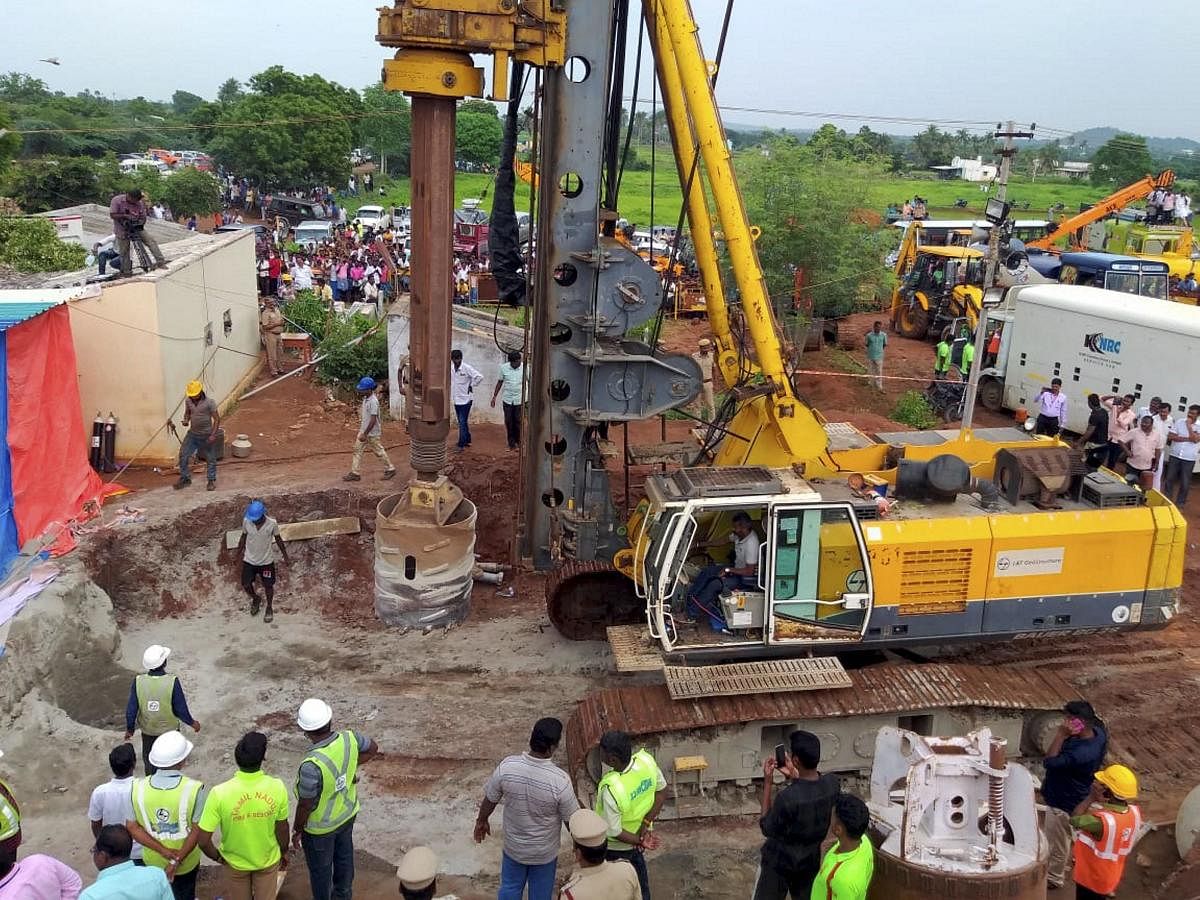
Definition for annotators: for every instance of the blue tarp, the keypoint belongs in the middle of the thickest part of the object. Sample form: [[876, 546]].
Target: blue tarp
[[8, 525]]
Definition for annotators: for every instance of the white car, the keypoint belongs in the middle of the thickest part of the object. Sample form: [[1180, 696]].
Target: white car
[[314, 231], [373, 217], [128, 166]]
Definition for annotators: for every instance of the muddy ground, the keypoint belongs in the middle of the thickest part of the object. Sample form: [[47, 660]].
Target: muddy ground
[[444, 707]]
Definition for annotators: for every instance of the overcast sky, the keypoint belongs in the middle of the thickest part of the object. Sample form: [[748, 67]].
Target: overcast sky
[[1065, 65]]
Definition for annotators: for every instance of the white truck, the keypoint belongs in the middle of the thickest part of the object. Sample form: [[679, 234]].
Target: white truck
[[1096, 341]]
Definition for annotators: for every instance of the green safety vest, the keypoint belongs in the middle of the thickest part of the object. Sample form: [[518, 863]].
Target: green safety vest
[[338, 803], [968, 356], [633, 790], [166, 813], [942, 362], [10, 814], [154, 692]]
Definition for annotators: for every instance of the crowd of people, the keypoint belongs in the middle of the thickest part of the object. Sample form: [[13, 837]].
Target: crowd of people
[[150, 833], [1150, 444]]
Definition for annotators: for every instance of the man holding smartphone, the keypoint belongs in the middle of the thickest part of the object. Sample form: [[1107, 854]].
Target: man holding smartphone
[[1075, 755], [798, 820]]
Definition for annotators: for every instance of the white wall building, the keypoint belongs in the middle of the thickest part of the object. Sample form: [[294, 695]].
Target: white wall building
[[968, 169], [140, 340], [474, 336]]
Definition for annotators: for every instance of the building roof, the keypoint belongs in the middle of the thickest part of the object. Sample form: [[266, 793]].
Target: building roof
[[20, 306], [97, 225], [17, 311], [175, 241]]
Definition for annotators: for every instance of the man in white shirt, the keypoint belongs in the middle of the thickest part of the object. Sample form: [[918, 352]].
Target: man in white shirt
[[112, 802], [1052, 409], [106, 252], [302, 276], [712, 581], [1184, 446], [1163, 423], [463, 381]]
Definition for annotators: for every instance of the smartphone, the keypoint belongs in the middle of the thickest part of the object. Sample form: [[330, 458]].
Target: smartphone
[[780, 755]]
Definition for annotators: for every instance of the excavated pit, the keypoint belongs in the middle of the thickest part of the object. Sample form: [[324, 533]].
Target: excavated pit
[[180, 567]]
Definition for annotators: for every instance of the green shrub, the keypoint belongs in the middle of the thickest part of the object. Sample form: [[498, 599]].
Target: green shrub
[[913, 409], [32, 245], [310, 312], [347, 364]]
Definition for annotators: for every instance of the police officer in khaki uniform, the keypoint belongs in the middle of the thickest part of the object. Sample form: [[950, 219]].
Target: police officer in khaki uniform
[[418, 874], [271, 324], [595, 878]]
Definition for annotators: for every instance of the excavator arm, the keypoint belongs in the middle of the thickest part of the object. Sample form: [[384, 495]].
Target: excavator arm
[[1115, 201], [771, 414]]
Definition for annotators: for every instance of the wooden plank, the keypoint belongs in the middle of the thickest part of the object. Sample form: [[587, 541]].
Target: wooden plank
[[303, 531]]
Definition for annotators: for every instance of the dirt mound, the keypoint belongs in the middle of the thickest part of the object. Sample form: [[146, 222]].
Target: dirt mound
[[491, 483]]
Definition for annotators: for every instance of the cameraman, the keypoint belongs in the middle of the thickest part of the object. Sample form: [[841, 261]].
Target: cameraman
[[128, 212]]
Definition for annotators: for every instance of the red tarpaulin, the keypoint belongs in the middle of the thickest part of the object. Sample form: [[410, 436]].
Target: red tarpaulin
[[51, 478]]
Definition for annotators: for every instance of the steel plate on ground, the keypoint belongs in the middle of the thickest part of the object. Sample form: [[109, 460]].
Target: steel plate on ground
[[844, 436], [632, 649], [772, 677]]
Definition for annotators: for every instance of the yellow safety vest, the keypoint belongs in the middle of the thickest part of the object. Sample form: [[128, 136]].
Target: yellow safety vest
[[10, 815], [166, 813], [338, 803], [633, 790], [155, 715]]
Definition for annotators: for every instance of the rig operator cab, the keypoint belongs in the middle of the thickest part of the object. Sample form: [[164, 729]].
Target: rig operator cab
[[813, 578], [1007, 551]]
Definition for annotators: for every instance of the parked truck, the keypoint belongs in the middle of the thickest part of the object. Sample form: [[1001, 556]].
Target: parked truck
[[1096, 341]]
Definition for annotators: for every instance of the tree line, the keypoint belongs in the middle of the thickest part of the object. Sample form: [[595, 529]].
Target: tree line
[[279, 129]]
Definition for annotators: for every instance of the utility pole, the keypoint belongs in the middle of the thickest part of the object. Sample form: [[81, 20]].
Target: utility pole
[[1007, 152]]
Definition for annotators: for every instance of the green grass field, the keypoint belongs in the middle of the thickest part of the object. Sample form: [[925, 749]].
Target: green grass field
[[636, 205], [635, 188]]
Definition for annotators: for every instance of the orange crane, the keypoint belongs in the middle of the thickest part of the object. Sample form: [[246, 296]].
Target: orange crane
[[1073, 225]]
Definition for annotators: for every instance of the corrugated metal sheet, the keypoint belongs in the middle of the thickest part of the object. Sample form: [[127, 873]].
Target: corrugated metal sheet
[[14, 312], [875, 690], [769, 677]]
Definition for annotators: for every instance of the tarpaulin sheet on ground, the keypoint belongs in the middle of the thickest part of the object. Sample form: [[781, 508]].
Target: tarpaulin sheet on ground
[[45, 479]]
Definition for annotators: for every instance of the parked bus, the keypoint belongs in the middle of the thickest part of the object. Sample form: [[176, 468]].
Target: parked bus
[[1110, 271]]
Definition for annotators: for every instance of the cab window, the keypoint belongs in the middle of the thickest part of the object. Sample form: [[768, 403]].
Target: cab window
[[818, 561]]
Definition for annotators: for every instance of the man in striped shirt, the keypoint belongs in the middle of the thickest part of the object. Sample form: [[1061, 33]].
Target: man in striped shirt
[[538, 802]]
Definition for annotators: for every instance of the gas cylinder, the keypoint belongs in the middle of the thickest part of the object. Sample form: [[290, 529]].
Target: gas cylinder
[[94, 456], [108, 444]]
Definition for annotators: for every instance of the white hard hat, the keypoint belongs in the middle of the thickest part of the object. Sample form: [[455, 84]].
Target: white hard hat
[[169, 750], [314, 714], [155, 656]]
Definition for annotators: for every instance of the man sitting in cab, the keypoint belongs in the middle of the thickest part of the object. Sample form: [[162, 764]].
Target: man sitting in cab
[[717, 579]]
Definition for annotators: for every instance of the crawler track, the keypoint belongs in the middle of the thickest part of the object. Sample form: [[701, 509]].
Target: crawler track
[[648, 712], [584, 598]]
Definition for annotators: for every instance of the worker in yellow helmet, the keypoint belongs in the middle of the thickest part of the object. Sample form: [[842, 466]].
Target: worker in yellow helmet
[[203, 422], [1107, 824], [629, 799]]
